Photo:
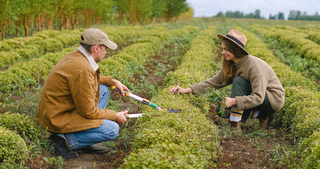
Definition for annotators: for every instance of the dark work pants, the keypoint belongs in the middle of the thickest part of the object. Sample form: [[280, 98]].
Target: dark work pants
[[242, 87]]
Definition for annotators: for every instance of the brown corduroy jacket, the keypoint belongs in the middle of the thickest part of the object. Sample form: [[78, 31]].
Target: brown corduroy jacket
[[70, 97], [263, 81]]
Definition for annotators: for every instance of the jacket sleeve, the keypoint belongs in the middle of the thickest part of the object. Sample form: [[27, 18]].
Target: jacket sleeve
[[216, 81], [258, 86], [106, 80], [83, 90]]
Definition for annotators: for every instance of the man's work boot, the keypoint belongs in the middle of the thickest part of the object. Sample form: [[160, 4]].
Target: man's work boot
[[61, 147], [236, 126], [93, 149], [265, 123]]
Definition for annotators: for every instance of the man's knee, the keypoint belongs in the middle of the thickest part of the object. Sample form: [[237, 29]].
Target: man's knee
[[111, 130], [104, 90]]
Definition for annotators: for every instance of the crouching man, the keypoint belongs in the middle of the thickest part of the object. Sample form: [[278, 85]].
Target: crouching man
[[74, 97]]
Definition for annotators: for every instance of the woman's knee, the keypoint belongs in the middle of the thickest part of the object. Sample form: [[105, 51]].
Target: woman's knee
[[240, 80], [240, 87]]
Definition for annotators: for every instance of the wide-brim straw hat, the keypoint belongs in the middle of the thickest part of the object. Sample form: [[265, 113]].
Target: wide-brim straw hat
[[236, 37]]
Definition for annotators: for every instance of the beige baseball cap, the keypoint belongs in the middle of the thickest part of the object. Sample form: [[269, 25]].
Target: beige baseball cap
[[95, 36]]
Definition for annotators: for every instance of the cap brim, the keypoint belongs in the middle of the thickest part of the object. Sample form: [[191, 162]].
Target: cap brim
[[222, 37], [111, 45]]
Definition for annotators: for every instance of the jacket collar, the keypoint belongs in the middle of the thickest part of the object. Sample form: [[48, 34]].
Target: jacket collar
[[242, 61], [89, 57]]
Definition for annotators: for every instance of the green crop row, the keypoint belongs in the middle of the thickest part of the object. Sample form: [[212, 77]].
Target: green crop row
[[24, 74], [21, 49], [300, 111], [181, 140], [124, 64], [315, 37], [189, 72], [309, 149], [305, 32], [287, 38]]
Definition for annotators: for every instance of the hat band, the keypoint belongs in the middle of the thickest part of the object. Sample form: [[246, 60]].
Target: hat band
[[236, 40]]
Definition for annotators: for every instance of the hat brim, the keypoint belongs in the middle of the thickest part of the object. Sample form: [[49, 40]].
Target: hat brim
[[111, 45], [223, 36]]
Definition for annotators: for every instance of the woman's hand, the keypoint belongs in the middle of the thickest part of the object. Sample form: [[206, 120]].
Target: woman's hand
[[120, 86], [230, 101], [181, 90]]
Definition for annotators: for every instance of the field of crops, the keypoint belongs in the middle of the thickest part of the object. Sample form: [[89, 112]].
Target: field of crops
[[150, 60]]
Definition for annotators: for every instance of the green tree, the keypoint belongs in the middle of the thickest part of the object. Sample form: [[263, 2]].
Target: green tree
[[159, 9], [272, 16], [9, 13], [144, 10], [257, 14], [140, 11], [29, 9], [48, 9], [187, 15], [220, 14], [175, 8], [281, 16], [123, 8]]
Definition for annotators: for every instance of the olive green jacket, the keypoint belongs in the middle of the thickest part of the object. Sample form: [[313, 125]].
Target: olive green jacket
[[70, 97], [262, 78]]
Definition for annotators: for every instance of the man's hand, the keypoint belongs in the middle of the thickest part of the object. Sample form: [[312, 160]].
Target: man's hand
[[230, 101], [121, 118], [120, 86], [181, 90]]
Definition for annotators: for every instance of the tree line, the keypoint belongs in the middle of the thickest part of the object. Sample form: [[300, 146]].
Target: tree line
[[17, 16], [239, 14], [293, 15], [297, 15]]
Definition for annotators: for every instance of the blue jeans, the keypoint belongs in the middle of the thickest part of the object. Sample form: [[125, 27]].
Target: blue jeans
[[107, 131]]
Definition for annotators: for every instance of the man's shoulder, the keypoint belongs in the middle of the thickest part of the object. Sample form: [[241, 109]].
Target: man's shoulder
[[73, 62], [75, 58], [74, 54]]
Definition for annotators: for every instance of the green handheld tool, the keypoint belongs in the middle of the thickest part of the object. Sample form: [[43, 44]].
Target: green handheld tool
[[145, 101]]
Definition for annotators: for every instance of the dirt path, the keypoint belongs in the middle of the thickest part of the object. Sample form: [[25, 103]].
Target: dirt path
[[252, 148]]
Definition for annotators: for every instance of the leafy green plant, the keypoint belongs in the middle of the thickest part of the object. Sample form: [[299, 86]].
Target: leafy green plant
[[309, 149], [22, 124], [53, 161], [13, 149], [28, 105]]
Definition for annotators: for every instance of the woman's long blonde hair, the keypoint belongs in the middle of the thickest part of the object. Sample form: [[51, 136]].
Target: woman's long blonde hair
[[228, 68]]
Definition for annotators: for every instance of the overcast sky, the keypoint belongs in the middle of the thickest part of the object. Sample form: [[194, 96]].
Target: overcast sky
[[210, 8]]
